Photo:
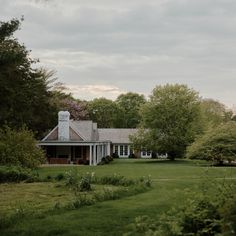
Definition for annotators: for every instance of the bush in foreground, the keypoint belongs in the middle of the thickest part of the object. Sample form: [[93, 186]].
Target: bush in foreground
[[16, 174], [202, 215], [19, 148]]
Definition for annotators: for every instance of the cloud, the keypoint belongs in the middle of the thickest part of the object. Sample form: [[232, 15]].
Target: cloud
[[89, 92], [133, 45]]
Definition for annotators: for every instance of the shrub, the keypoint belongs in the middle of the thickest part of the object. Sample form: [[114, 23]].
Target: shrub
[[82, 200], [106, 194], [132, 155], [79, 183], [202, 214], [72, 177], [143, 225], [59, 177], [18, 147], [215, 145], [201, 217], [110, 158], [16, 174], [146, 181], [115, 155], [105, 160], [85, 184], [228, 213], [116, 179]]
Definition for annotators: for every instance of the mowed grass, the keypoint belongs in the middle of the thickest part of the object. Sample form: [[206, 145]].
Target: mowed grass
[[172, 181]]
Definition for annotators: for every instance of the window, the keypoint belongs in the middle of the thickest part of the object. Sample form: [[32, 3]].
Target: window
[[121, 150], [126, 150], [116, 150], [146, 153]]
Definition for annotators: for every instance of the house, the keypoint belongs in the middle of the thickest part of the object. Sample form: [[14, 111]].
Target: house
[[81, 142]]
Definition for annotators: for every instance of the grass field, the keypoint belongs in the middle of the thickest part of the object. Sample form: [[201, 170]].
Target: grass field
[[172, 183]]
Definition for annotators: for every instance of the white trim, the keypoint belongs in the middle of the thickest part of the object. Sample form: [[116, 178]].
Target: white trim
[[123, 150], [90, 155], [45, 138], [144, 154], [69, 143]]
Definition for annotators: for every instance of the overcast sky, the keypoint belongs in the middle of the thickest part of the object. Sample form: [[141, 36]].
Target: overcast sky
[[107, 47]]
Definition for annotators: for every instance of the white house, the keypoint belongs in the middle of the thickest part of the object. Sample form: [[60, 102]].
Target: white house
[[81, 142]]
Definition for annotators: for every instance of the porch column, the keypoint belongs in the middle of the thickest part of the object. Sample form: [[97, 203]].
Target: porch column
[[90, 155], [128, 150], [109, 149], [99, 153], [94, 155], [105, 150], [103, 153]]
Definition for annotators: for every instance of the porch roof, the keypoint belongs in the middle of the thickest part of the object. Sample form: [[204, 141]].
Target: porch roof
[[71, 143]]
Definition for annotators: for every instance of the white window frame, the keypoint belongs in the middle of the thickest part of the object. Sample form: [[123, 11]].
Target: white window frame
[[123, 150], [146, 153]]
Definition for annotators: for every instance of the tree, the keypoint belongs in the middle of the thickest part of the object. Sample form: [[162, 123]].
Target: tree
[[78, 109], [64, 101], [214, 113], [104, 112], [25, 91], [130, 104], [170, 119], [19, 148], [216, 145]]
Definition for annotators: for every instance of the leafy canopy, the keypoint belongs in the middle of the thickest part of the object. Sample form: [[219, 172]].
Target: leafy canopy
[[170, 119], [25, 91], [104, 112], [129, 105], [217, 145], [214, 113], [19, 148]]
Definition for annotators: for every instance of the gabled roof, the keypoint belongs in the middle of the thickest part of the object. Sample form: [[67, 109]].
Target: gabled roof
[[85, 129], [82, 130], [116, 135]]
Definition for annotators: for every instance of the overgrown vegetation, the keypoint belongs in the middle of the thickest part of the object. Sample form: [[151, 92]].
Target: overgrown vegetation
[[202, 214], [19, 148], [43, 208], [85, 192], [15, 174]]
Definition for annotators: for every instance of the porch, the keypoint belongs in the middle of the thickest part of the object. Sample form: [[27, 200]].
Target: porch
[[75, 153]]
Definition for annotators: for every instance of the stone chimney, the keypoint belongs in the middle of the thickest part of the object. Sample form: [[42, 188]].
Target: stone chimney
[[63, 125]]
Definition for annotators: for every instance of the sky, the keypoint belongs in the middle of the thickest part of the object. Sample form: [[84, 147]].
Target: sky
[[102, 48]]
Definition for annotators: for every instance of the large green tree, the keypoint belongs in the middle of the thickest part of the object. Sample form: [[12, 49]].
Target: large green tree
[[104, 112], [214, 113], [170, 120], [25, 90], [130, 104]]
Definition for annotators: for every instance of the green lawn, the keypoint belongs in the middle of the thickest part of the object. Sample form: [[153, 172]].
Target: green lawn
[[171, 183]]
